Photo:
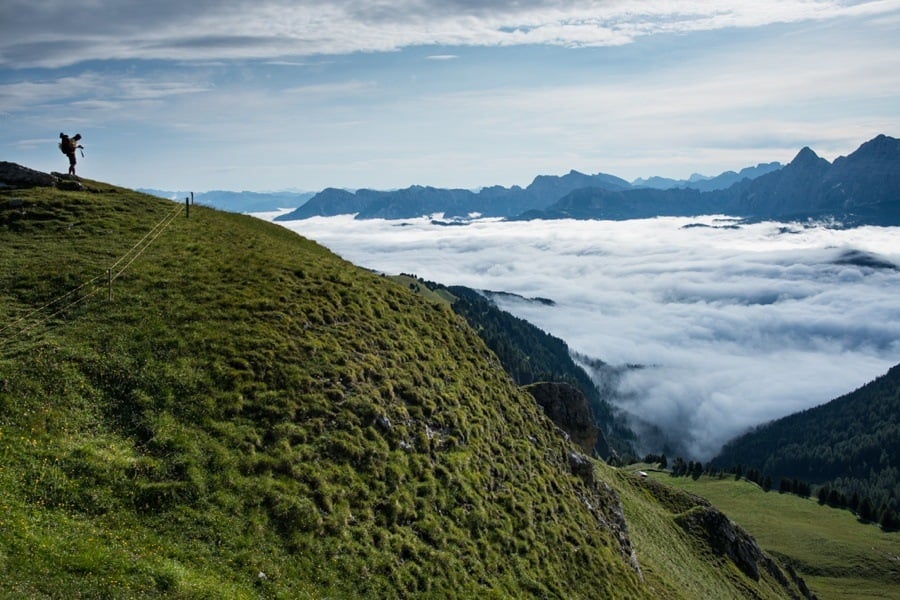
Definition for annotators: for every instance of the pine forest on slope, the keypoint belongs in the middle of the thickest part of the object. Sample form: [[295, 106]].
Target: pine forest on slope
[[851, 444]]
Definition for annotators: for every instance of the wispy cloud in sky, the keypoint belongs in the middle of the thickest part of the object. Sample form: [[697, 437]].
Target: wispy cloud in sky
[[452, 93], [240, 29], [734, 327]]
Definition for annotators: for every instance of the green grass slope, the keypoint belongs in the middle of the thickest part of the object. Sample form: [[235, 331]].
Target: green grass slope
[[242, 414], [838, 557]]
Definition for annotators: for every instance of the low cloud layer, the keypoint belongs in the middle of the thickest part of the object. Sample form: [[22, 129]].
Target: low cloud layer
[[734, 326]]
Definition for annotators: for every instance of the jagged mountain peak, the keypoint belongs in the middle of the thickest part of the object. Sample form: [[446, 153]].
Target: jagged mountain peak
[[879, 147], [807, 157]]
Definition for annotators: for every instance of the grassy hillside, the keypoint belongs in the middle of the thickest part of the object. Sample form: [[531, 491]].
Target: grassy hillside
[[837, 556], [529, 354], [246, 415]]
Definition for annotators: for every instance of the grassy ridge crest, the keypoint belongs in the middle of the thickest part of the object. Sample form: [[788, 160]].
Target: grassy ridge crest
[[248, 415]]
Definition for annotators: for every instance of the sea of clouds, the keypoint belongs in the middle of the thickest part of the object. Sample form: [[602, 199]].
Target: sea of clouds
[[734, 325]]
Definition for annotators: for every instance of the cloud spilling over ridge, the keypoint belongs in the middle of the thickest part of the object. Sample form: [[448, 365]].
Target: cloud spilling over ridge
[[241, 29], [734, 327]]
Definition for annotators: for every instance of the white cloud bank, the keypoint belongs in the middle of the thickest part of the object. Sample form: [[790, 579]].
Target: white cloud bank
[[736, 327], [242, 29]]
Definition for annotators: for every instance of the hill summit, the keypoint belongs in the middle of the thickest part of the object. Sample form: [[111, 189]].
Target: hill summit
[[201, 404]]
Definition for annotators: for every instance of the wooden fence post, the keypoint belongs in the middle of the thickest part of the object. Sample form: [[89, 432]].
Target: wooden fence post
[[187, 207]]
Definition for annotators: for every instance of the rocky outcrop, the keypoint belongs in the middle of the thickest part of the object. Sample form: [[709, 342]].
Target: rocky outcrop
[[606, 506], [13, 175], [568, 407], [713, 531], [724, 537], [729, 540], [582, 466], [67, 182]]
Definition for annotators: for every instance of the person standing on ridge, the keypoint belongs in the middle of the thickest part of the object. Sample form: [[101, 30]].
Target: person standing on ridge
[[68, 145]]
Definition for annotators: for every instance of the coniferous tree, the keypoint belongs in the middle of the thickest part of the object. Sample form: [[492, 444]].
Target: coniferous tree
[[889, 520], [865, 510], [835, 498], [697, 471]]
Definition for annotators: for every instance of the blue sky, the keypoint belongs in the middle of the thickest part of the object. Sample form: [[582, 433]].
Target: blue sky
[[262, 95]]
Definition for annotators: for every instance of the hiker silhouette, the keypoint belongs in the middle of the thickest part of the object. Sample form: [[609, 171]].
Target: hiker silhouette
[[68, 145]]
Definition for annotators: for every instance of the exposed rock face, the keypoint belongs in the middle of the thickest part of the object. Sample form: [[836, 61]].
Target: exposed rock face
[[67, 182], [714, 530], [13, 175], [581, 465], [16, 176], [727, 539], [724, 537], [606, 506], [569, 409]]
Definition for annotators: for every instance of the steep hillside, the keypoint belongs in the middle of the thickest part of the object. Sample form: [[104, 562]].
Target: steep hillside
[[838, 556], [531, 355], [243, 414], [851, 443]]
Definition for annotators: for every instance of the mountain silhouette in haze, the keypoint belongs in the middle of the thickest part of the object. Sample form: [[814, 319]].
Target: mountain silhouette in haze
[[862, 188], [858, 189], [415, 201], [706, 184]]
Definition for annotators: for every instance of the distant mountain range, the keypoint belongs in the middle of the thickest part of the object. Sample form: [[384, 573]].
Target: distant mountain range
[[708, 184], [862, 188], [415, 201]]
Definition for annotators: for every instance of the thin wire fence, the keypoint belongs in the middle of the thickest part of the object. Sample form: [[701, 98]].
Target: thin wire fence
[[42, 314]]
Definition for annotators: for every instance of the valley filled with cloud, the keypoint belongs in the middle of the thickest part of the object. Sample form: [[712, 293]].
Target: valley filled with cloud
[[731, 325]]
